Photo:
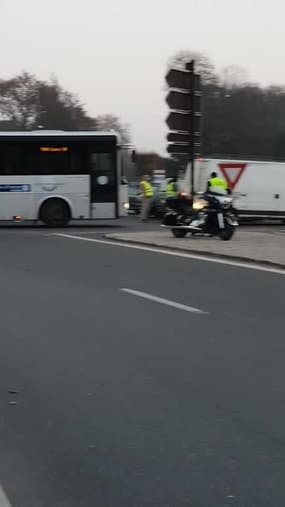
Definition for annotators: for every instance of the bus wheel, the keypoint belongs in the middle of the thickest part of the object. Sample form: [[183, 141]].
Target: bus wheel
[[55, 213]]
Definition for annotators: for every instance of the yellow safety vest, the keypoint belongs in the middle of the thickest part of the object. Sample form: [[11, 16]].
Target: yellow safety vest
[[170, 190], [218, 182], [147, 188]]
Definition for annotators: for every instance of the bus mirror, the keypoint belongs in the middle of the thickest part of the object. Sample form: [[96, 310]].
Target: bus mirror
[[133, 156]]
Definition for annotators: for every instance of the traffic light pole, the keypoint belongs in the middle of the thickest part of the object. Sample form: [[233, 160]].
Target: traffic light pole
[[191, 67], [183, 120]]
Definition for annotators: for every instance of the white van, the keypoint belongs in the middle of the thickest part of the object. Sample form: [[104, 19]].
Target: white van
[[258, 187]]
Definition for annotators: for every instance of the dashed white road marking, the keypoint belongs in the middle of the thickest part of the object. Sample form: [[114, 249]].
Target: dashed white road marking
[[176, 253], [4, 502], [163, 301]]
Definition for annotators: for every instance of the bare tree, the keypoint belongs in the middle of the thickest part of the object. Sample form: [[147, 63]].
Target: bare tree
[[60, 109], [26, 102], [204, 65], [240, 118], [111, 122], [234, 76], [19, 100]]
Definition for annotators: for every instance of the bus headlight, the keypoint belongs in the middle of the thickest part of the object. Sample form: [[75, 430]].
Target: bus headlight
[[126, 205]]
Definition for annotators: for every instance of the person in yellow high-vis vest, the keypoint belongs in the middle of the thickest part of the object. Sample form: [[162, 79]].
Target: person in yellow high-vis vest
[[147, 194], [217, 185], [171, 188]]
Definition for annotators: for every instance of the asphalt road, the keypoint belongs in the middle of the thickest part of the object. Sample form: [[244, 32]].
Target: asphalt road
[[111, 399], [130, 223]]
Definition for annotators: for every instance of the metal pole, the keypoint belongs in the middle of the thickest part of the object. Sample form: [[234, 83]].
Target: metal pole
[[191, 160]]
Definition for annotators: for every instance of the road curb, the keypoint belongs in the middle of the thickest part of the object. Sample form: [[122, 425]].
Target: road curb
[[246, 260]]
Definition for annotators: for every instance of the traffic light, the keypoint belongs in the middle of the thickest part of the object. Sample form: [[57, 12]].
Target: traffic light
[[184, 119]]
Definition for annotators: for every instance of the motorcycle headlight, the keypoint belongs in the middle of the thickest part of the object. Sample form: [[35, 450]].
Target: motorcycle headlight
[[199, 204]]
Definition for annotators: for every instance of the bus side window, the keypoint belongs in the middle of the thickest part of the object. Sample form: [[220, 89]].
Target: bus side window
[[12, 160]]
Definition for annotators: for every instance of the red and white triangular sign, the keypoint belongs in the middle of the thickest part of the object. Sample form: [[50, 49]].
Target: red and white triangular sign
[[232, 172]]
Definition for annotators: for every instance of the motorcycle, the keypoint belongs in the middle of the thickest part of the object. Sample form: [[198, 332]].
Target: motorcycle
[[207, 214]]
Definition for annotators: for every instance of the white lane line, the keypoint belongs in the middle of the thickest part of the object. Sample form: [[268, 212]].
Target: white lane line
[[4, 502], [163, 301], [176, 253], [89, 232]]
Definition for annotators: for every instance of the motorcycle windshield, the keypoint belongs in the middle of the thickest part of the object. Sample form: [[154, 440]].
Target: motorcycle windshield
[[218, 191]]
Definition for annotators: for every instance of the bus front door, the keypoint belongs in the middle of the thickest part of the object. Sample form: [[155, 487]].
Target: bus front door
[[103, 186]]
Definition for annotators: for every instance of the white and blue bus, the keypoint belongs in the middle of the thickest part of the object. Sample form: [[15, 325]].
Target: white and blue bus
[[58, 176]]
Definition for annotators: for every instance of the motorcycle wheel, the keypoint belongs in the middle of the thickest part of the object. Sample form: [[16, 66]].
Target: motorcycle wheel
[[179, 233], [227, 233]]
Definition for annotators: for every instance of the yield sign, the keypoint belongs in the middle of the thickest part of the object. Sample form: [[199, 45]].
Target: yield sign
[[232, 172]]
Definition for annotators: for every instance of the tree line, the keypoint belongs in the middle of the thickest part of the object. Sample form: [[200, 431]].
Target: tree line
[[27, 102], [240, 118]]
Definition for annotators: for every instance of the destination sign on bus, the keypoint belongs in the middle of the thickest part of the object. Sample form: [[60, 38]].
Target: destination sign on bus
[[54, 149]]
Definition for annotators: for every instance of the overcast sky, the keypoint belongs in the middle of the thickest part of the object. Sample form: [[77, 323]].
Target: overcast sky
[[113, 53]]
